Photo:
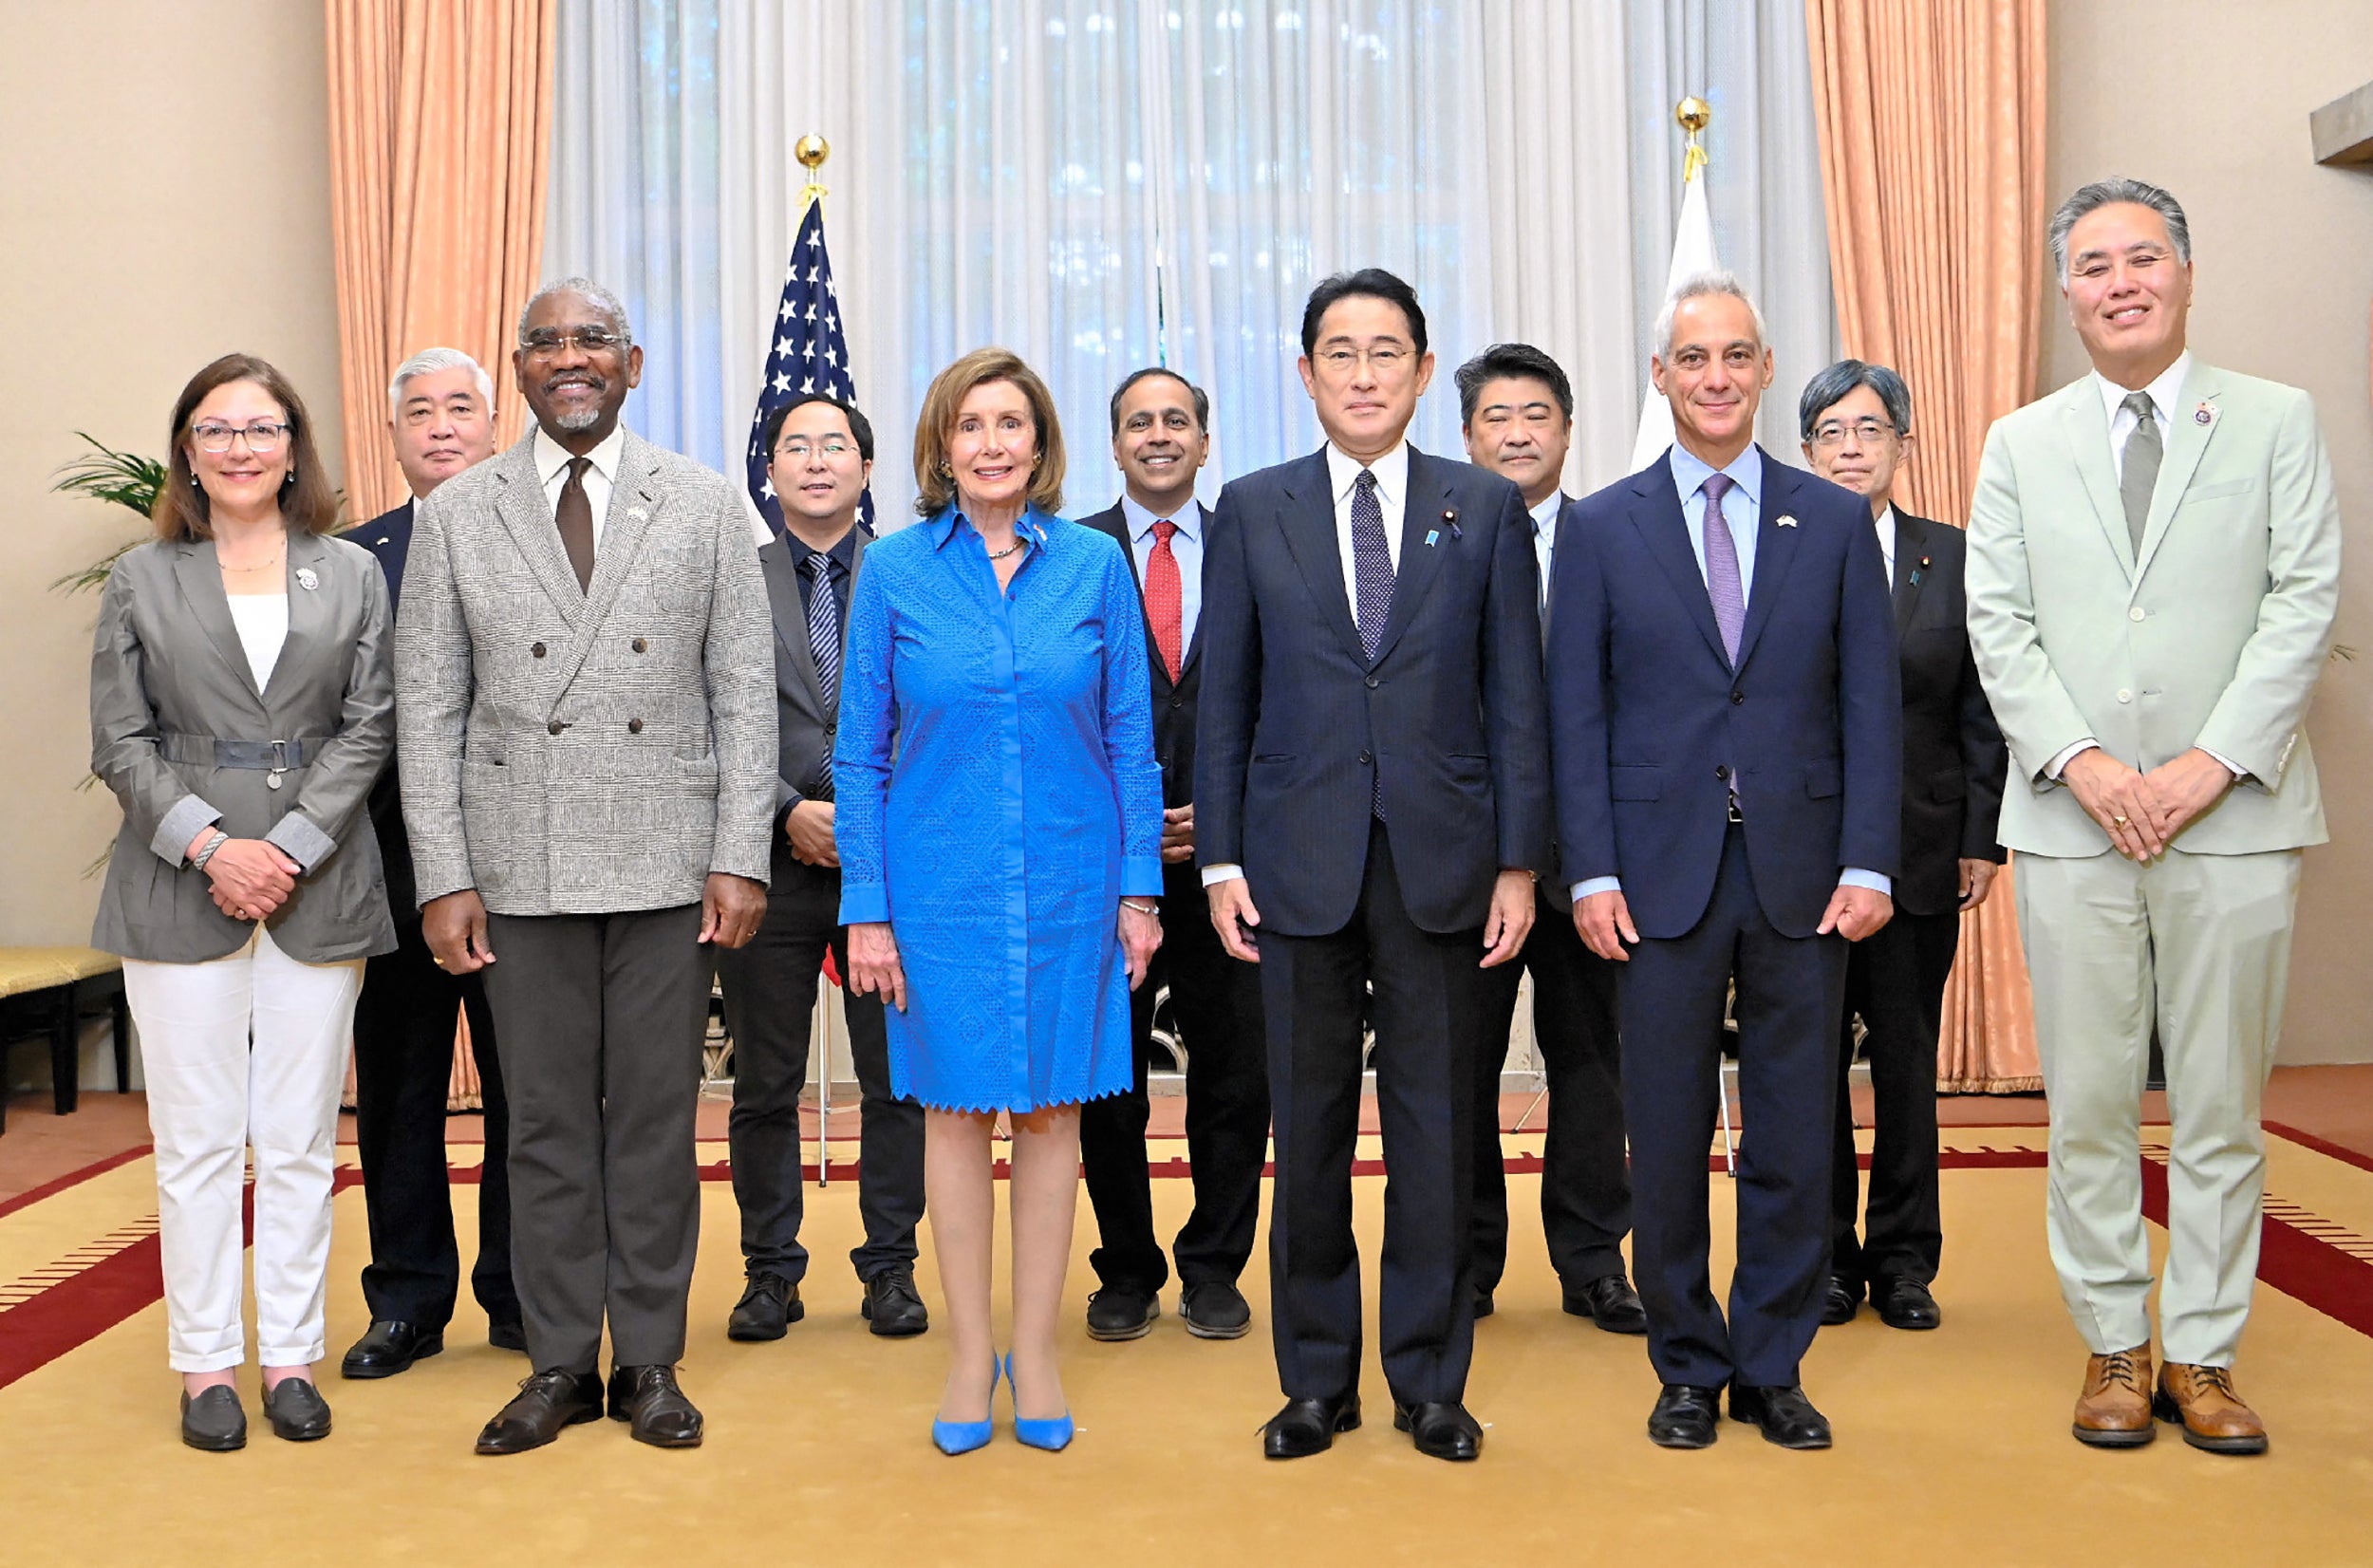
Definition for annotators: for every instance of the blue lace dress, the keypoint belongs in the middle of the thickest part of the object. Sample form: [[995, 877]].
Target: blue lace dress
[[998, 796]]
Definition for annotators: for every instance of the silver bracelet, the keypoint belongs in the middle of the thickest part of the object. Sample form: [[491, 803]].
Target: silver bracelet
[[198, 861], [1144, 906]]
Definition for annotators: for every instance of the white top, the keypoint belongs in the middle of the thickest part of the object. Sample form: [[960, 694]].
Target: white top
[[263, 623], [551, 466], [1886, 523]]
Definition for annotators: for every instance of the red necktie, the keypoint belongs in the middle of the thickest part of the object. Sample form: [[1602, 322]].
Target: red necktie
[[1163, 602]]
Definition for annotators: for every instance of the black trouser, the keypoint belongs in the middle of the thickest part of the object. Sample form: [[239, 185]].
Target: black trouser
[[1670, 994], [602, 1019], [403, 1032], [1896, 981], [1215, 1004], [1428, 1005], [770, 1005], [1585, 1185]]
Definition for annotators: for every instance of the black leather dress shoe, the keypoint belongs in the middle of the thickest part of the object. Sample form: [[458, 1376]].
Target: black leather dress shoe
[[215, 1421], [1118, 1311], [892, 1306], [1685, 1417], [769, 1304], [1610, 1302], [1905, 1304], [506, 1334], [655, 1409], [389, 1348], [1215, 1310], [545, 1403], [1307, 1427], [1785, 1416], [296, 1410], [1440, 1430], [1841, 1301]]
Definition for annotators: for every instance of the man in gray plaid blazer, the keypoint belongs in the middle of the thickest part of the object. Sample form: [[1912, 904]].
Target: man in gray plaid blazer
[[585, 674]]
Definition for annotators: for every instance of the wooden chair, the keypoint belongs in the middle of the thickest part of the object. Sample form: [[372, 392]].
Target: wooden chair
[[50, 991]]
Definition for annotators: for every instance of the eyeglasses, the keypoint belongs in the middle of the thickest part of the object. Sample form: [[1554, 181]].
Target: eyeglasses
[[262, 436], [1383, 359], [833, 449], [544, 342], [1867, 432]]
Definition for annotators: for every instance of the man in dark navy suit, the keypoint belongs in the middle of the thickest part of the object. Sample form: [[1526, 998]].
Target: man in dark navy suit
[[1161, 435], [442, 420], [1855, 422], [1726, 737], [1372, 795]]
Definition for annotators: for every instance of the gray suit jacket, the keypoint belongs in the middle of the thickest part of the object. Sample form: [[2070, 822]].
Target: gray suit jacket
[[2213, 637], [169, 679], [584, 751], [804, 758]]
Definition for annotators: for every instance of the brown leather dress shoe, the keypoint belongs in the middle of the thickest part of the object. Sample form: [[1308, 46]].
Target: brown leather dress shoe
[[2213, 1417], [655, 1409], [2114, 1411], [545, 1403]]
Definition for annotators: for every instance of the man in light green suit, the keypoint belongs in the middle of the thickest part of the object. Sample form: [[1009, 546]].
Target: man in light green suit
[[2154, 561]]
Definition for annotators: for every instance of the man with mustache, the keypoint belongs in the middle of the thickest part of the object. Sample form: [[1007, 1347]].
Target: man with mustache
[[585, 713], [441, 419]]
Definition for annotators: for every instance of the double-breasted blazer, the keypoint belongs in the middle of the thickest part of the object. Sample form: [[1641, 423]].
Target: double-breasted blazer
[[180, 733], [568, 750], [806, 724]]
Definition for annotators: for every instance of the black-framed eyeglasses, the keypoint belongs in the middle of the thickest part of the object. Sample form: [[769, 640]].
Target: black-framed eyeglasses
[[545, 342], [262, 436], [1833, 432], [1383, 359]]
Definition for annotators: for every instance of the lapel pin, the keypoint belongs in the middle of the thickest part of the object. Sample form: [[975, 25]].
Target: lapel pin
[[1450, 520], [1431, 534], [1787, 521], [1917, 570], [383, 538], [2204, 415], [305, 579], [637, 513]]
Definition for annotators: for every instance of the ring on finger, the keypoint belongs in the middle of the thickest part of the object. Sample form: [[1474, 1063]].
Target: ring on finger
[[2118, 820]]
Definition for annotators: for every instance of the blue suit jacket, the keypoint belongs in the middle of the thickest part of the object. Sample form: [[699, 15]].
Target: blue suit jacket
[[389, 537], [1295, 720], [1649, 719]]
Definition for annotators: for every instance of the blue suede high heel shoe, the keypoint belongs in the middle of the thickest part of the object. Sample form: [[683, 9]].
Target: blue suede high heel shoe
[[1052, 1434], [962, 1437]]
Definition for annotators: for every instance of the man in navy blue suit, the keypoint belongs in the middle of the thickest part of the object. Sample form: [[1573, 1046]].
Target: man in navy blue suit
[[1725, 735], [441, 416], [1371, 790]]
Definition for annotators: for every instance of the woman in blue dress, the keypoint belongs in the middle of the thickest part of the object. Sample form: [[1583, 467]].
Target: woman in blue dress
[[999, 819]]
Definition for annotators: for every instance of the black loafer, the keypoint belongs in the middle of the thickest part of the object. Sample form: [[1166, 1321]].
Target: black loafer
[[1686, 1417], [893, 1307], [1610, 1302], [1117, 1312], [545, 1403], [506, 1334], [1843, 1299], [390, 1345], [769, 1304], [1784, 1415], [1215, 1310], [1440, 1430], [655, 1409], [215, 1421], [1307, 1427], [296, 1410], [1905, 1304]]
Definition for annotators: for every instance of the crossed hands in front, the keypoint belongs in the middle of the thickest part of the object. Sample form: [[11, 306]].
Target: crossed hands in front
[[2143, 811]]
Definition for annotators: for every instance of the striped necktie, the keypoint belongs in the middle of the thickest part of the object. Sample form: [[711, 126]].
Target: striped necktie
[[824, 627]]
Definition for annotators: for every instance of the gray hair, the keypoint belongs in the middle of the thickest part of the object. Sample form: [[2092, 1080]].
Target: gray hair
[[1832, 387], [427, 362], [1698, 285], [2109, 193], [602, 300]]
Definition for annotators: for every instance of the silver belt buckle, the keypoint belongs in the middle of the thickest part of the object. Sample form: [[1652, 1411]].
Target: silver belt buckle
[[280, 764]]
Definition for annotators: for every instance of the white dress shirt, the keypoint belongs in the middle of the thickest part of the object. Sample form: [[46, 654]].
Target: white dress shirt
[[1186, 549], [1545, 540], [551, 466], [1886, 526]]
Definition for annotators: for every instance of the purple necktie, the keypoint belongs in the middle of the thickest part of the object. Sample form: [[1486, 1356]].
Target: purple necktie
[[1371, 572], [1722, 568]]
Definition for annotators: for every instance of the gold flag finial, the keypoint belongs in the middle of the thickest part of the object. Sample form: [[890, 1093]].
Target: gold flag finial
[[811, 150], [1693, 114]]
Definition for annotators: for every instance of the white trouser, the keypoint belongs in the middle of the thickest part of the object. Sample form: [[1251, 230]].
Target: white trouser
[[209, 1094]]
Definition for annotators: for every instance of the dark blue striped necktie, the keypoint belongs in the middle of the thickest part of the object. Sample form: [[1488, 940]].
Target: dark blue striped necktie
[[824, 626]]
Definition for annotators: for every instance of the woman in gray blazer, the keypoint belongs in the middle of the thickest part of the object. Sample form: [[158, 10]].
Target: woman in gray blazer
[[242, 704]]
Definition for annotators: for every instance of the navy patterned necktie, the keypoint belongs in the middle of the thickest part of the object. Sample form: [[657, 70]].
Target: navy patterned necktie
[[824, 627], [1371, 561]]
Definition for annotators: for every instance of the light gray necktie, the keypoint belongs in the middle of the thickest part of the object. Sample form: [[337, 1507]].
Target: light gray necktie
[[2140, 475]]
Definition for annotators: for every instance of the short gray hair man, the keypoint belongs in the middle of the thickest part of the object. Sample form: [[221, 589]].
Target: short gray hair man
[[1697, 286], [2105, 193], [427, 362], [604, 301]]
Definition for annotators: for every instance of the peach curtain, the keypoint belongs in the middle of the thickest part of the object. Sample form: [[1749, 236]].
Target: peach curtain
[[440, 137], [1931, 118]]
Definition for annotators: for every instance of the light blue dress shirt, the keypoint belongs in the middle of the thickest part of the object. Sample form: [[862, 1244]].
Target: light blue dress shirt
[[1185, 544], [1743, 512]]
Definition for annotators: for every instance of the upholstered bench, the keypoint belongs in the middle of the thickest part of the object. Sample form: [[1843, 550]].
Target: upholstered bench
[[50, 991]]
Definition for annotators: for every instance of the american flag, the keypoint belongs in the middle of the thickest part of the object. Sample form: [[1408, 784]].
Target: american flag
[[810, 354]]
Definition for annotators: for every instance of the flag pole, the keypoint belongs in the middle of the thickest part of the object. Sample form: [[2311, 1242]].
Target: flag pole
[[811, 150], [1693, 114]]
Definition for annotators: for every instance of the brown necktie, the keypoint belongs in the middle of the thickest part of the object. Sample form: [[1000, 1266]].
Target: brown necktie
[[575, 514]]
